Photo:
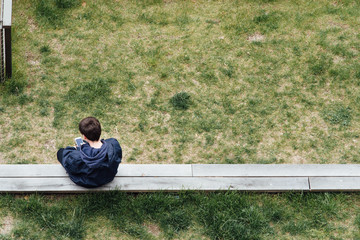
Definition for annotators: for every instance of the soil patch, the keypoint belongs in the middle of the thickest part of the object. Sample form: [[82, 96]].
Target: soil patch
[[6, 225]]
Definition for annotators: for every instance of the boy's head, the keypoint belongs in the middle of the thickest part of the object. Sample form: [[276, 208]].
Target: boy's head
[[90, 127]]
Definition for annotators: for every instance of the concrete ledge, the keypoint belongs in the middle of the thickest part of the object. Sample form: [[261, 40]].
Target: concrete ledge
[[176, 177]]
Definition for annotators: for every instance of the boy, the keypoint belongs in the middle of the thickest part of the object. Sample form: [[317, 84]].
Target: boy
[[95, 162]]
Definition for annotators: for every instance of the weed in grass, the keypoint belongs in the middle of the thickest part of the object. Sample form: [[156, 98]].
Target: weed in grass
[[338, 114], [45, 49], [181, 100]]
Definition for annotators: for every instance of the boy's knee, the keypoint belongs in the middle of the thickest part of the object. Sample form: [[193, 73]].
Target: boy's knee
[[60, 155]]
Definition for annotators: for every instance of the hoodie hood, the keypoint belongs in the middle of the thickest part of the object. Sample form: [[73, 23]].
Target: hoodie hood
[[94, 157]]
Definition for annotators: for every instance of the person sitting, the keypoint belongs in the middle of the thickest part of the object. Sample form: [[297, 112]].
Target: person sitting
[[95, 162]]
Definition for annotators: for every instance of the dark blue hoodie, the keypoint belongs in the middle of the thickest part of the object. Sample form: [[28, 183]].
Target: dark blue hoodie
[[91, 167]]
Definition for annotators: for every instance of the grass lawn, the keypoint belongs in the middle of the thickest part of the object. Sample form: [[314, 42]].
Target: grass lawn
[[187, 215], [186, 81], [250, 81]]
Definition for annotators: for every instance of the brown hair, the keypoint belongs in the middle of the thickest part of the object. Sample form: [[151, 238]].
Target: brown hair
[[91, 128]]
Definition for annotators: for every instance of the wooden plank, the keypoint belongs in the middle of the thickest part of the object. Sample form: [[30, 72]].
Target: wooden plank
[[140, 184], [276, 170], [125, 170], [334, 183]]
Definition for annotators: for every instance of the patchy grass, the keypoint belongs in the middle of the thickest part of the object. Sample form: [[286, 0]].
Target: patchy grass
[[261, 82]]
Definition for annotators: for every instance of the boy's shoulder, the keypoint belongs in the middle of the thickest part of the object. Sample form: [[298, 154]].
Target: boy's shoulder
[[111, 140], [115, 145]]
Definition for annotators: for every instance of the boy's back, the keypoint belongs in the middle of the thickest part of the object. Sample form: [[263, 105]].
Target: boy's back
[[94, 163]]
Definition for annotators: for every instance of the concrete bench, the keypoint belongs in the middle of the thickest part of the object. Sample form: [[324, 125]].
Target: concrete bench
[[175, 177]]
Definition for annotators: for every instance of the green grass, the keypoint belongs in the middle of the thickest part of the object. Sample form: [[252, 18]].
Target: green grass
[[186, 215], [181, 100], [186, 82], [265, 81]]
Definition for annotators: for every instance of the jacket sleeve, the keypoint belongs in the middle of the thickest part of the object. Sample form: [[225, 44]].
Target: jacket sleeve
[[116, 148], [71, 161]]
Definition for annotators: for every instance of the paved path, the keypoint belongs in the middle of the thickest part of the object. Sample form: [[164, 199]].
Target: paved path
[[175, 177]]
